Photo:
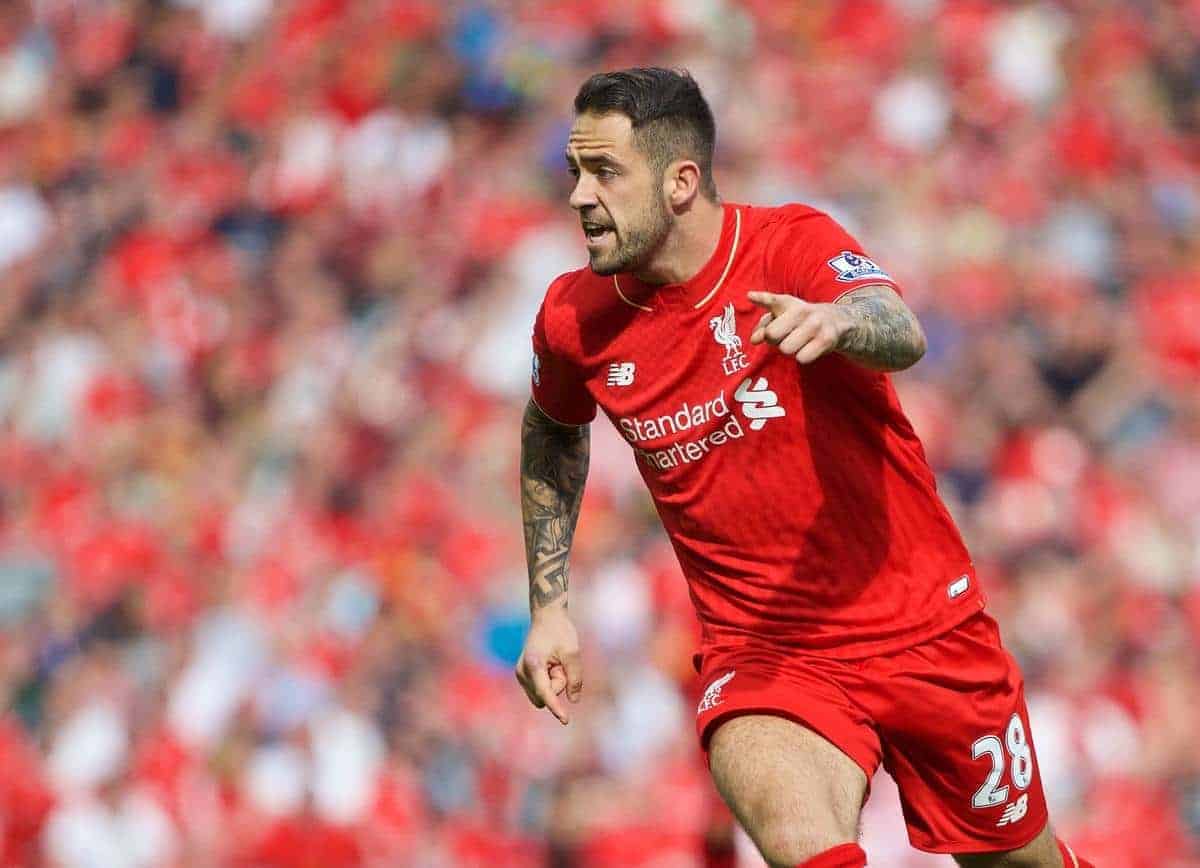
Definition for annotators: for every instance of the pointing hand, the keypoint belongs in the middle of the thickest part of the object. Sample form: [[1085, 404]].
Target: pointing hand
[[798, 328], [550, 670]]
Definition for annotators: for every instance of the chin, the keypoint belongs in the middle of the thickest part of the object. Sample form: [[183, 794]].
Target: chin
[[605, 268], [613, 264]]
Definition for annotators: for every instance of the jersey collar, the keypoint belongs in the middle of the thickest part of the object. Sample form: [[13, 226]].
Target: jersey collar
[[702, 288]]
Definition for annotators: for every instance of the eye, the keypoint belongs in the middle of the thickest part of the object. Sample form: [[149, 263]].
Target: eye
[[605, 172]]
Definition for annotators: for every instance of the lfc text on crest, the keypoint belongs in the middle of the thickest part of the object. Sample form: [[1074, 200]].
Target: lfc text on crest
[[724, 330]]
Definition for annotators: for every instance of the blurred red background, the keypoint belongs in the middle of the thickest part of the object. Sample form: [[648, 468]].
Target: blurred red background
[[268, 273]]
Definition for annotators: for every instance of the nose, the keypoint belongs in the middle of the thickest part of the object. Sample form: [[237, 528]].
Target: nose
[[583, 195]]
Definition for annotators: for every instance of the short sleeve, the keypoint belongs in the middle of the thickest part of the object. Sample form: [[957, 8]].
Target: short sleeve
[[818, 260], [559, 387]]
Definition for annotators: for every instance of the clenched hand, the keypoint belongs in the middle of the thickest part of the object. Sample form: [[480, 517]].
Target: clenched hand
[[550, 667]]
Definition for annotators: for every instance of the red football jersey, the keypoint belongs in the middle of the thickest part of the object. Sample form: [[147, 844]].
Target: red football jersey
[[797, 497]]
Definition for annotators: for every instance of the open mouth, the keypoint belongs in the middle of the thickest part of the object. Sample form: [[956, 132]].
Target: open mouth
[[596, 232]]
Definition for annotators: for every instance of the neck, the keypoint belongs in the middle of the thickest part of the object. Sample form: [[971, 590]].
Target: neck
[[691, 243]]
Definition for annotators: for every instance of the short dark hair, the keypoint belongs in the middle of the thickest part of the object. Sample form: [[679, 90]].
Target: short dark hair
[[670, 117]]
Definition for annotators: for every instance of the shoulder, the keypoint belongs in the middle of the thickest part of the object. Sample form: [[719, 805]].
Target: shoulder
[[795, 235], [566, 305], [791, 230], [796, 219], [799, 235], [565, 288], [564, 296]]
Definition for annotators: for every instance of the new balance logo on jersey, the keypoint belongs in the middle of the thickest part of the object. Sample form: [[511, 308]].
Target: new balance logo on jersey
[[759, 403], [724, 329], [712, 696], [620, 374], [1015, 812]]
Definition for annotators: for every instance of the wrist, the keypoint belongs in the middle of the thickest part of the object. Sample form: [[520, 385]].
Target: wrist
[[554, 609]]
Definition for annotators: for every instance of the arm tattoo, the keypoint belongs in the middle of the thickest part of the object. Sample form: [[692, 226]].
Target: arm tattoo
[[886, 336], [554, 465]]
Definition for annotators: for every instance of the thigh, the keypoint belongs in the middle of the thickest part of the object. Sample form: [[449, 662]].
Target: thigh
[[804, 690], [956, 737], [789, 750], [794, 792]]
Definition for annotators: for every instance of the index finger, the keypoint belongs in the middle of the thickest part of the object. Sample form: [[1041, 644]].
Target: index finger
[[541, 686], [773, 301]]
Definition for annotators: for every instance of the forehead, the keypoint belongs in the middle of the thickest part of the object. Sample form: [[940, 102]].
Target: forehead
[[593, 134]]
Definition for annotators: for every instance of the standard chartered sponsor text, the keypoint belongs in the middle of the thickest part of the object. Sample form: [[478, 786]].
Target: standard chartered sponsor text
[[689, 416]]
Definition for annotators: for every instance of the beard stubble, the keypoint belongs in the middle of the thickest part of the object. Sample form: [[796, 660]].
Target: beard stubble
[[642, 239]]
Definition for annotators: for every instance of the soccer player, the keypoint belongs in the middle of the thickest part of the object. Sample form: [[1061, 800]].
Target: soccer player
[[742, 352]]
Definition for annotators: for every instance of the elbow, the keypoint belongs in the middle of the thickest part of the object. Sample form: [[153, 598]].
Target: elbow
[[917, 346], [906, 355]]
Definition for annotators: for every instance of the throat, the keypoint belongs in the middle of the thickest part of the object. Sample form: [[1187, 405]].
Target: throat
[[691, 244]]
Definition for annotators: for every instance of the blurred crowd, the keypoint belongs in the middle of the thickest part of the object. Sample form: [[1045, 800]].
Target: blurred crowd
[[267, 275]]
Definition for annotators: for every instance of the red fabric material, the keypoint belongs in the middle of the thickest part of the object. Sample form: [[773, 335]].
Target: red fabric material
[[841, 856], [878, 710], [805, 248], [846, 553]]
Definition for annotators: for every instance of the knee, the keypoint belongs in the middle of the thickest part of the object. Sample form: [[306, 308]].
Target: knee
[[1005, 860], [1041, 852], [785, 840]]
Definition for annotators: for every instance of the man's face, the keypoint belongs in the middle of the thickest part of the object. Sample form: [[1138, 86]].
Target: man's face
[[618, 196]]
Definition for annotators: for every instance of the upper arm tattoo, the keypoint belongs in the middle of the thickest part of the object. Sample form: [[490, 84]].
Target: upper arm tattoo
[[886, 335], [554, 465]]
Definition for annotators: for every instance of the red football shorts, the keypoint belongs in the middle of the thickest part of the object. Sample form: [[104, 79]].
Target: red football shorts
[[946, 717]]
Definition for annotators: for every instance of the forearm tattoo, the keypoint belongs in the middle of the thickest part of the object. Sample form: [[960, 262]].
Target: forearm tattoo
[[886, 335], [554, 465]]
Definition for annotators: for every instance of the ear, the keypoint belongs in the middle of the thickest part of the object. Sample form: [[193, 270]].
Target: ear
[[681, 183]]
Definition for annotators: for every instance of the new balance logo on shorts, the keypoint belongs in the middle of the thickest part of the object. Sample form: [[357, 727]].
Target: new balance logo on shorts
[[620, 374], [712, 696], [1014, 812]]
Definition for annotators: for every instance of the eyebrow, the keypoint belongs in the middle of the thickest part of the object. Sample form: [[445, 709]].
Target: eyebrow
[[600, 158]]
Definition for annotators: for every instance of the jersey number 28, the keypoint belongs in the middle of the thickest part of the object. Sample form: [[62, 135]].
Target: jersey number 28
[[991, 793]]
